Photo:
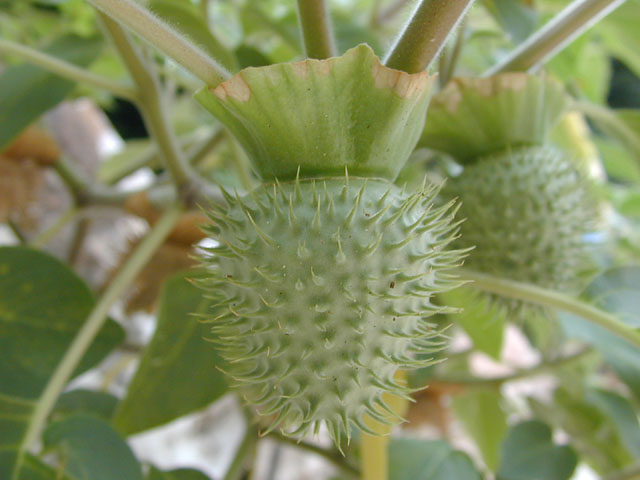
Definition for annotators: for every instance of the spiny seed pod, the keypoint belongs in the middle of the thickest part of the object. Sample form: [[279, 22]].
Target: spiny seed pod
[[527, 211], [323, 282], [323, 291]]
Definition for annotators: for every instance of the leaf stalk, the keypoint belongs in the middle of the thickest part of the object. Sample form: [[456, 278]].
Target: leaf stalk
[[317, 33]]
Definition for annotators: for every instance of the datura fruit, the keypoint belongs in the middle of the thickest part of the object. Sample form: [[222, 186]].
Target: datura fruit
[[324, 276], [527, 204]]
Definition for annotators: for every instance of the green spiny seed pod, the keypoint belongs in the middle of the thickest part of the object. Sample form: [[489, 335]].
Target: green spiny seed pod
[[527, 211], [323, 291]]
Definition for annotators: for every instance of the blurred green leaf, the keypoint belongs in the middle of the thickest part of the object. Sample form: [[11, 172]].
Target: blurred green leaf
[[618, 291], [618, 162], [482, 416], [516, 18], [43, 304], [27, 91], [90, 449], [180, 474], [620, 411], [99, 404], [528, 453], [411, 459], [178, 366], [185, 17], [620, 33], [592, 434], [481, 319]]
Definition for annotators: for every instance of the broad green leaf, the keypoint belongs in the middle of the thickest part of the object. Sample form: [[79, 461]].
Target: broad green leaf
[[618, 291], [618, 162], [90, 449], [185, 17], [412, 459], [33, 469], [618, 409], [43, 304], [27, 91], [484, 420], [178, 366], [517, 19], [481, 319], [621, 355], [179, 474], [99, 404], [620, 33], [528, 453], [592, 434]]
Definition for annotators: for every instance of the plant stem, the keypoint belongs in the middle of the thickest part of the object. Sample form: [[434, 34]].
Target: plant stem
[[17, 231], [162, 36], [317, 34], [246, 447], [47, 235], [451, 60], [555, 35], [374, 459], [550, 298], [425, 34], [151, 103], [520, 374], [95, 321], [331, 455], [67, 70]]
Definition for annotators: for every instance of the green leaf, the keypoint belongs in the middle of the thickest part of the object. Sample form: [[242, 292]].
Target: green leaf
[[178, 366], [90, 449], [620, 33], [484, 420], [618, 409], [27, 91], [518, 20], [43, 304], [618, 291], [99, 404], [618, 162], [621, 355], [481, 319], [186, 18], [592, 433], [180, 474], [411, 459], [528, 453], [34, 469]]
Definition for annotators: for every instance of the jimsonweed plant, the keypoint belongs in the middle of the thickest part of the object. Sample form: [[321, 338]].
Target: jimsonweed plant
[[340, 195]]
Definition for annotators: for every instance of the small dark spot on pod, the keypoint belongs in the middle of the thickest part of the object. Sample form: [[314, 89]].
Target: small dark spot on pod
[[392, 285]]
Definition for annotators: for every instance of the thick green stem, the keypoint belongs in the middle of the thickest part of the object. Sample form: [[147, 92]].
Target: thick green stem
[[151, 103], [245, 449], [555, 35], [317, 33], [550, 298], [95, 321], [67, 70], [425, 34], [374, 458], [165, 38]]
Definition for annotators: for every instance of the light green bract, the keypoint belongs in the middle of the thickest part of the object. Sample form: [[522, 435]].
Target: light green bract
[[323, 292], [322, 115], [325, 274]]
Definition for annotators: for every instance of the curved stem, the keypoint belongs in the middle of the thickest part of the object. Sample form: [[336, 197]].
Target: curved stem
[[331, 455], [245, 449], [610, 123], [550, 298], [555, 35], [165, 38], [47, 235], [95, 321], [67, 70], [425, 34], [317, 33], [151, 103]]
